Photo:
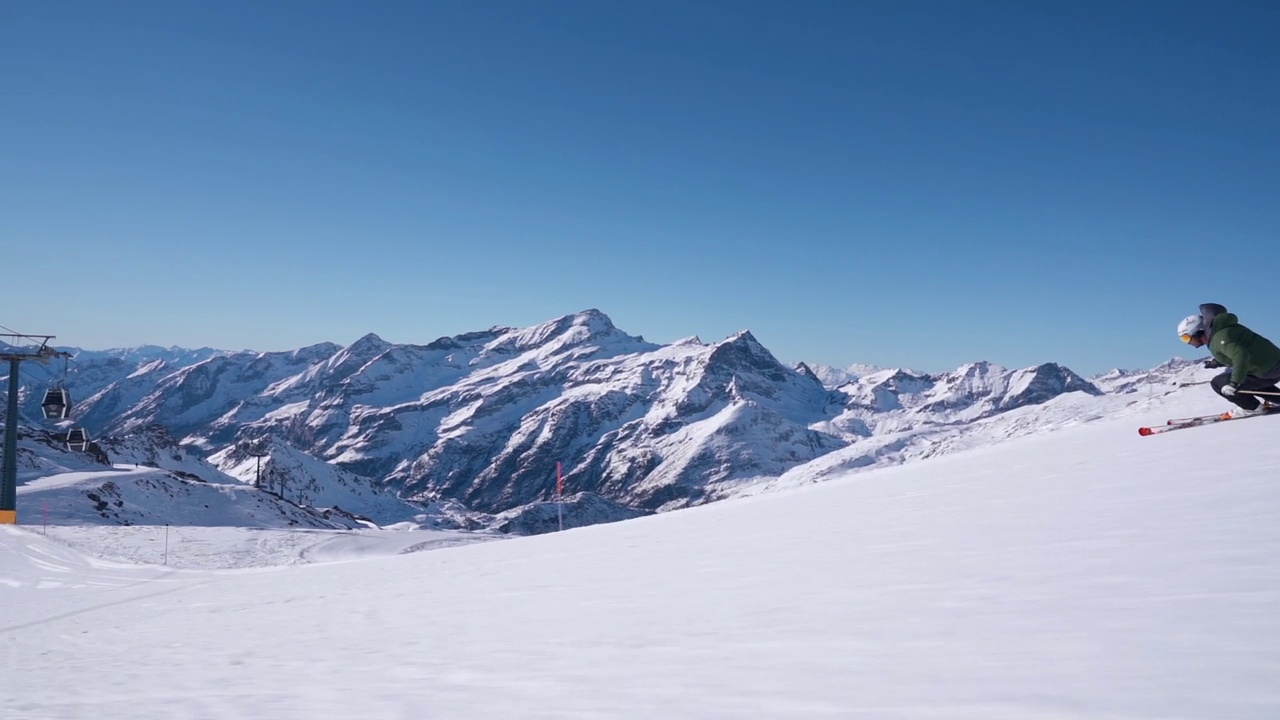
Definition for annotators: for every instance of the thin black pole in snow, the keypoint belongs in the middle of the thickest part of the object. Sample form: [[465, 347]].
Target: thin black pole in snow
[[559, 496]]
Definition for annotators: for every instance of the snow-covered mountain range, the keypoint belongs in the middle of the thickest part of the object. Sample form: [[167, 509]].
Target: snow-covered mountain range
[[467, 431]]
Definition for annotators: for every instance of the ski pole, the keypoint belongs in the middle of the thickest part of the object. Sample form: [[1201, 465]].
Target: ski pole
[[1259, 392]]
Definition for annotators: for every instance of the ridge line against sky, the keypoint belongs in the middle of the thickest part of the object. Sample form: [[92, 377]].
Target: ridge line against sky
[[909, 184]]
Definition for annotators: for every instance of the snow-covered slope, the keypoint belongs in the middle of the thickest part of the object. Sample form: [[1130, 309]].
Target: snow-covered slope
[[153, 446], [139, 495], [1082, 573], [153, 481], [283, 470], [42, 452], [90, 372]]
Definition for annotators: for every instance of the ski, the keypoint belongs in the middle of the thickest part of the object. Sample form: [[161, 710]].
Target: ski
[[1197, 419], [1184, 423]]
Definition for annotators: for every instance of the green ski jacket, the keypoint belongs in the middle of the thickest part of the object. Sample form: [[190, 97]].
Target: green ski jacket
[[1243, 350]]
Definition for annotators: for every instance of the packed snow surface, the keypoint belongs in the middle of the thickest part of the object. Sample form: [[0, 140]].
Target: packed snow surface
[[1077, 573]]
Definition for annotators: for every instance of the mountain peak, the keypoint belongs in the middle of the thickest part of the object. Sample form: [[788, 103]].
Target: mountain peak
[[743, 342], [589, 325], [804, 369], [981, 367], [741, 350], [370, 340], [740, 342], [592, 316], [351, 358], [591, 320]]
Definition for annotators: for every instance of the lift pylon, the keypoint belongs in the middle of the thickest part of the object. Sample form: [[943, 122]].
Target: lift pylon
[[16, 354]]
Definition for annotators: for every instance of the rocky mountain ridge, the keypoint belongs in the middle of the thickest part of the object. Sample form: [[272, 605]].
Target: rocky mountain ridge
[[481, 419]]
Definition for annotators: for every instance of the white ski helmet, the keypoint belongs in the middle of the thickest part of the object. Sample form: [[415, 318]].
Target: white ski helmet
[[1190, 327]]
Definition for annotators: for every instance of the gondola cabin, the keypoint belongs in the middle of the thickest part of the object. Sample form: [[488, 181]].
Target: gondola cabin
[[77, 439], [57, 403]]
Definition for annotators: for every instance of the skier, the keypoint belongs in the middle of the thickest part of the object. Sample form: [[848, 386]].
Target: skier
[[1253, 359]]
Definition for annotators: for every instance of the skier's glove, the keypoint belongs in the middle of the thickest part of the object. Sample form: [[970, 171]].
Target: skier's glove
[[1212, 364], [1229, 390]]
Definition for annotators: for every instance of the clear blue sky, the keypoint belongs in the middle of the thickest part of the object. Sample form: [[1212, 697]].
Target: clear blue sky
[[903, 183]]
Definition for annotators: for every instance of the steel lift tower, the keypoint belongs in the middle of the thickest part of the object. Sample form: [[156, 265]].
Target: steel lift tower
[[16, 355]]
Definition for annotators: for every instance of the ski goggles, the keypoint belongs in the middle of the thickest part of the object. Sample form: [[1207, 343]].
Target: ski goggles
[[1188, 338]]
